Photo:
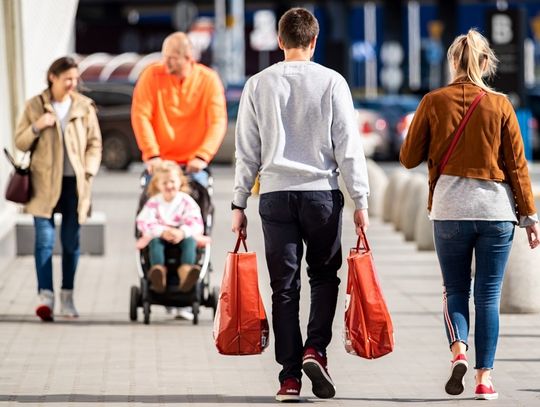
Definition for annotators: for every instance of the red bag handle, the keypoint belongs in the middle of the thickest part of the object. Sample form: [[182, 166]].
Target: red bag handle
[[362, 239], [242, 239], [460, 130]]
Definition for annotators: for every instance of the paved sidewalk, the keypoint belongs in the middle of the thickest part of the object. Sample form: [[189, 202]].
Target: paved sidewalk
[[103, 359]]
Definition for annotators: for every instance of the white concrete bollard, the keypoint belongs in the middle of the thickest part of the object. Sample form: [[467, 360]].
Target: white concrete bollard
[[521, 288], [423, 229], [397, 178], [378, 182], [411, 203], [401, 191]]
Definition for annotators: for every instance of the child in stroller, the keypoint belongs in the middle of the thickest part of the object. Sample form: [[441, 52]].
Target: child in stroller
[[173, 246]]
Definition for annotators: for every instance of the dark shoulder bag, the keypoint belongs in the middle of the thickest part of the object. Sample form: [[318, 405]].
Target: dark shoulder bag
[[19, 187]]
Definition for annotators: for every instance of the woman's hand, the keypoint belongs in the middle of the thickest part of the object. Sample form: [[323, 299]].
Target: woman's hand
[[533, 234], [46, 120]]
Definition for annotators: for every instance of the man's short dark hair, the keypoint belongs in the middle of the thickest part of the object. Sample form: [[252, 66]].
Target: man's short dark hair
[[297, 28]]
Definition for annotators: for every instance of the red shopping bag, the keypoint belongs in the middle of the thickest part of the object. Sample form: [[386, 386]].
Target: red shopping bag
[[368, 331], [240, 325]]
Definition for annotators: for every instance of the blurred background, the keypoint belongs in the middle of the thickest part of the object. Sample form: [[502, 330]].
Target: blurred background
[[391, 52]]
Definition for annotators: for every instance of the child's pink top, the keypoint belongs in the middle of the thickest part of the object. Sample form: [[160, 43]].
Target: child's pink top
[[182, 212]]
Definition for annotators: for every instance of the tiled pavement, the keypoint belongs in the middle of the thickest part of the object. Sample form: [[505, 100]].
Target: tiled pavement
[[103, 359]]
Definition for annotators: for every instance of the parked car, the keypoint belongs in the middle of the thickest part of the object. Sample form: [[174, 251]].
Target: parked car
[[396, 111], [373, 130], [120, 149], [113, 101]]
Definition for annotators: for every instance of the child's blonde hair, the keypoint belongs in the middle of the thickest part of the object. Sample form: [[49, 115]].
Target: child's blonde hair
[[165, 168], [467, 56]]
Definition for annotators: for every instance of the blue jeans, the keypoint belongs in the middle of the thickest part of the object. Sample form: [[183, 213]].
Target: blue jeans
[[290, 219], [491, 242], [201, 177], [69, 236]]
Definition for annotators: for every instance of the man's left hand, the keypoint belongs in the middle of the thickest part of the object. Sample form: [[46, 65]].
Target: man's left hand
[[196, 165]]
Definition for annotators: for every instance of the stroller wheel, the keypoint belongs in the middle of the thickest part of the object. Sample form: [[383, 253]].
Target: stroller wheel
[[134, 302], [146, 310], [196, 309]]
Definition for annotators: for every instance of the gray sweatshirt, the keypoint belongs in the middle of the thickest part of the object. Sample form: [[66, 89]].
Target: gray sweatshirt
[[296, 126]]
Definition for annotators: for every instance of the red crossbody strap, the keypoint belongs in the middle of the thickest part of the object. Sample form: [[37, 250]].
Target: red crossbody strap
[[460, 131]]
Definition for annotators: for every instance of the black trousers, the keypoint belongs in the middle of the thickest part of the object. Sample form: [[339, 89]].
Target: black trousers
[[290, 219]]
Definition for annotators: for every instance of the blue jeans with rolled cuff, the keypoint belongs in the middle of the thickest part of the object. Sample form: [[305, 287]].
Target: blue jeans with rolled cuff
[[45, 237], [455, 242]]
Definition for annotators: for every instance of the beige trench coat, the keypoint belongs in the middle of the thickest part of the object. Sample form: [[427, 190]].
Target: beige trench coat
[[83, 143]]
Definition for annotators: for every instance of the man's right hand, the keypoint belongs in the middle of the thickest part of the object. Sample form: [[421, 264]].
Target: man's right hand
[[361, 220], [239, 222], [152, 163]]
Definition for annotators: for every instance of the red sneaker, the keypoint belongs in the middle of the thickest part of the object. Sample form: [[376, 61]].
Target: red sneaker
[[46, 305], [290, 390], [455, 383], [485, 392], [314, 365]]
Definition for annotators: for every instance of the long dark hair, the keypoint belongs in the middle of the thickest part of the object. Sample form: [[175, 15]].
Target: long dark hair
[[60, 65]]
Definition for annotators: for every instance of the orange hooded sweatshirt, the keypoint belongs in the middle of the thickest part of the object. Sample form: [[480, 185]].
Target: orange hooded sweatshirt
[[179, 120]]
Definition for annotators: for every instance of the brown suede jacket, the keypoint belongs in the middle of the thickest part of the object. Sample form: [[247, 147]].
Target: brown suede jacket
[[490, 148]]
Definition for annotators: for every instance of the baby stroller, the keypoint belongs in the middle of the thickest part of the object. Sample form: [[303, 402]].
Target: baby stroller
[[202, 292]]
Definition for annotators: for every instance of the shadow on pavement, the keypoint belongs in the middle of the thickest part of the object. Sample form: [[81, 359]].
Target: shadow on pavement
[[83, 321], [134, 398], [517, 360], [405, 400]]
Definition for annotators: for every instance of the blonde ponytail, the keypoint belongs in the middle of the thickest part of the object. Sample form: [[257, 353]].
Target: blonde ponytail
[[470, 57]]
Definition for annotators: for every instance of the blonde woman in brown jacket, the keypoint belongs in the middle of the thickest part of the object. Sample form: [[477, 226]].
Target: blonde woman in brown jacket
[[473, 203], [61, 125]]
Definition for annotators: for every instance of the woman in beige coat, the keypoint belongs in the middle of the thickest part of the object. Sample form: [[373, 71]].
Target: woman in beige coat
[[61, 127]]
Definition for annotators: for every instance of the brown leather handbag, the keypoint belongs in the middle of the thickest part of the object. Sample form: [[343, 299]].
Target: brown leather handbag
[[19, 186]]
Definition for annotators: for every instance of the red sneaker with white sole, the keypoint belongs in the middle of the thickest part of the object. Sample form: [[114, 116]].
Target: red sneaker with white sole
[[455, 383], [289, 391], [45, 309], [315, 367], [485, 392]]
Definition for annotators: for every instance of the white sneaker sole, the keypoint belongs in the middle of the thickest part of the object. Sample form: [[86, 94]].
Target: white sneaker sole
[[284, 398], [490, 396], [455, 384]]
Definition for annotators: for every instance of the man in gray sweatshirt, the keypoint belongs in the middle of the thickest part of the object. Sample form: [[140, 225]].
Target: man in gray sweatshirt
[[297, 129]]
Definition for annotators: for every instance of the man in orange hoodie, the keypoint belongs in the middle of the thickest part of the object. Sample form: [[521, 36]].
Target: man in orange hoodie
[[178, 111]]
